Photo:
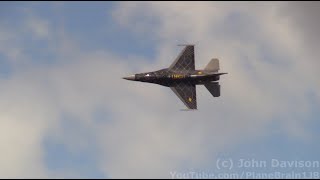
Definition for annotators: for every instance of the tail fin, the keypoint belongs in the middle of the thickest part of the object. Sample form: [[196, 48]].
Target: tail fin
[[213, 65], [213, 88]]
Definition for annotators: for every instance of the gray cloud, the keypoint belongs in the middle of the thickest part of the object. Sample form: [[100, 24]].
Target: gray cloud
[[304, 17], [258, 90]]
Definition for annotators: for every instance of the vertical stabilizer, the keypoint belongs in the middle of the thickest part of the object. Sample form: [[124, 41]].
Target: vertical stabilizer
[[213, 65]]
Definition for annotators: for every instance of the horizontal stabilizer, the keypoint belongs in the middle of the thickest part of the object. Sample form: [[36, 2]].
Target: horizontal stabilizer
[[213, 88], [213, 65]]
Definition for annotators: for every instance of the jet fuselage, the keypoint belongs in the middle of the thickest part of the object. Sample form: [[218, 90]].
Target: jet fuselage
[[165, 77]]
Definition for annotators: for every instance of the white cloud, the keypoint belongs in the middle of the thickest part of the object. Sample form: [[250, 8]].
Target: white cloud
[[7, 47], [252, 97], [39, 27], [145, 134], [26, 113]]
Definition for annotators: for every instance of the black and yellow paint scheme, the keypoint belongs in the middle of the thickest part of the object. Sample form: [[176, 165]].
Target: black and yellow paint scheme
[[182, 77], [178, 76]]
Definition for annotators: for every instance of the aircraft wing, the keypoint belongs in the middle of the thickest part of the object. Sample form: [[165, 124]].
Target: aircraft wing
[[187, 93], [185, 60]]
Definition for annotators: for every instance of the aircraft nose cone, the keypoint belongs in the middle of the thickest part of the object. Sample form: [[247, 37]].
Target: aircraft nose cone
[[132, 77]]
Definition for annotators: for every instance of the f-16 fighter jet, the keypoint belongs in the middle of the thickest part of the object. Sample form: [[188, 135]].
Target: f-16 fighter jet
[[182, 77]]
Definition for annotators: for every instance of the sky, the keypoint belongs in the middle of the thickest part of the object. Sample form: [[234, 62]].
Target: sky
[[65, 112]]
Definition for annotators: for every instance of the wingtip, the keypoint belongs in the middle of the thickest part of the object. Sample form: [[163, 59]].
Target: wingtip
[[186, 45], [188, 109]]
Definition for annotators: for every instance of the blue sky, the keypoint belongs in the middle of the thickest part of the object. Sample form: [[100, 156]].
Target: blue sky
[[61, 65]]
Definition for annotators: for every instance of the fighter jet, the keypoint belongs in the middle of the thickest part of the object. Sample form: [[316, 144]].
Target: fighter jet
[[182, 77]]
